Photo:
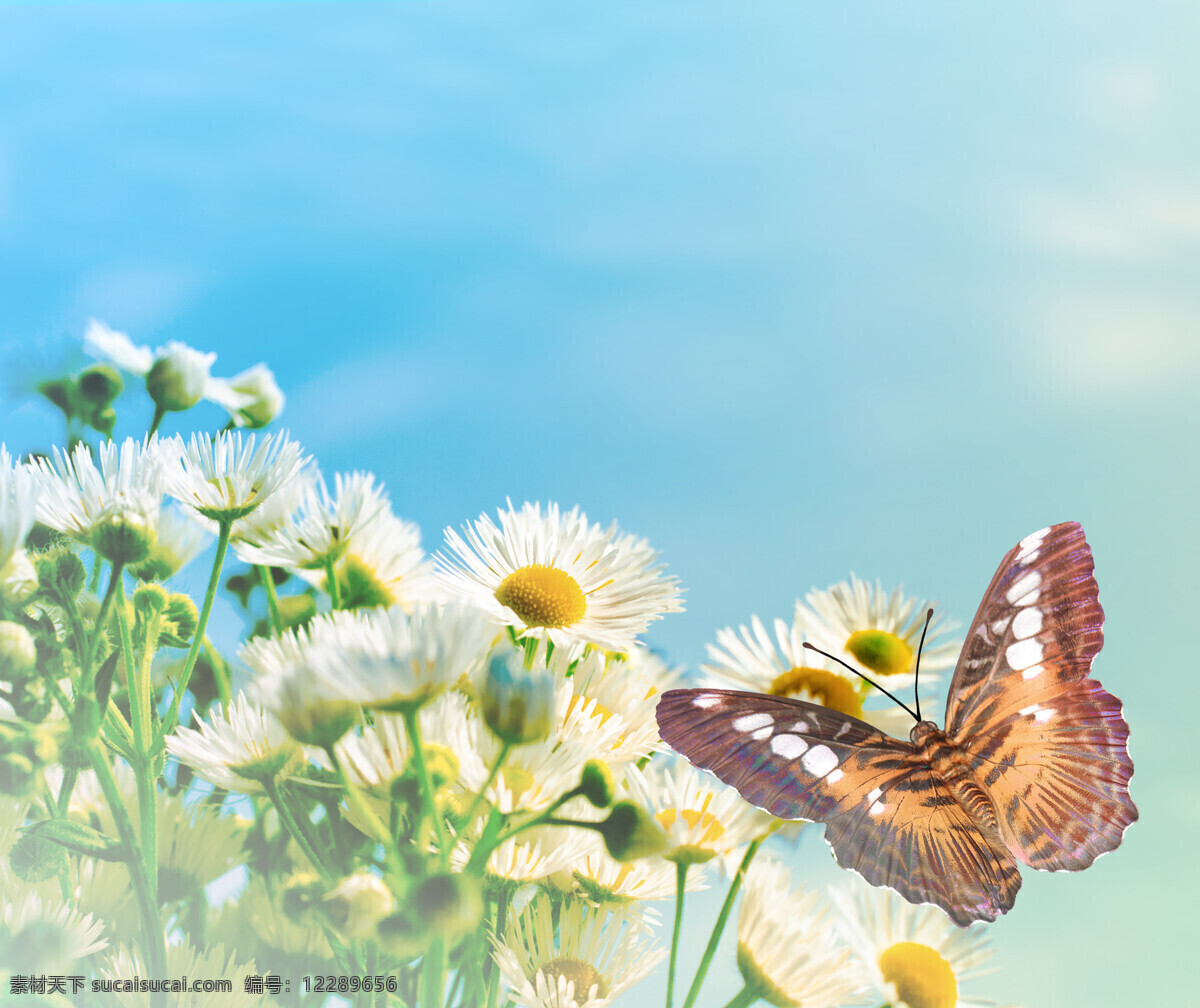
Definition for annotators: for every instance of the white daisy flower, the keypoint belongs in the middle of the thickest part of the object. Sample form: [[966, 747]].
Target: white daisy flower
[[44, 935], [789, 952], [178, 542], [264, 398], [749, 659], [913, 955], [557, 576], [238, 749], [177, 377], [183, 960], [600, 879], [378, 557], [111, 502], [860, 623], [228, 476], [534, 855], [18, 512], [593, 957], [703, 818]]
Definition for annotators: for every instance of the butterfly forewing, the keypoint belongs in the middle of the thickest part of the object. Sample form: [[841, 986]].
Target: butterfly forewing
[[1048, 742], [887, 816]]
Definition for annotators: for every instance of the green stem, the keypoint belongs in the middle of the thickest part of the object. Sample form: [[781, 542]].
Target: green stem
[[434, 975], [355, 800], [681, 870], [742, 999], [87, 678], [488, 842], [156, 947], [505, 749], [719, 927], [198, 639], [331, 584], [279, 800], [428, 798], [268, 582], [159, 413]]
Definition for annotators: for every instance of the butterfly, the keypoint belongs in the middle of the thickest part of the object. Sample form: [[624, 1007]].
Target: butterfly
[[1032, 765]]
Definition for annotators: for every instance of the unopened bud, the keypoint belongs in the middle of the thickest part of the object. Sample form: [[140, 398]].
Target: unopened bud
[[266, 398], [517, 704], [357, 904], [99, 385], [596, 783], [18, 652], [451, 905], [18, 578], [123, 534], [176, 380], [630, 832]]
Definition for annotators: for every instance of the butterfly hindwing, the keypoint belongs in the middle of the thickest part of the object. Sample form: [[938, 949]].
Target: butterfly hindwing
[[1050, 744], [887, 816]]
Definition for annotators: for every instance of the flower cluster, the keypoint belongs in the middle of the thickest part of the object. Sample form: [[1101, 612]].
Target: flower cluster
[[439, 777]]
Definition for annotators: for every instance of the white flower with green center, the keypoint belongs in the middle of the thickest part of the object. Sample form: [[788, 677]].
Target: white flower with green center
[[18, 512], [593, 956], [44, 935], [600, 879], [703, 818], [238, 749], [749, 659], [913, 955], [863, 624], [228, 476], [384, 565], [111, 500], [177, 377], [789, 951], [264, 398], [555, 575], [183, 960]]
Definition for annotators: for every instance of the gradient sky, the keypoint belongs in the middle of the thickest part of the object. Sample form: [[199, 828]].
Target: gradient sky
[[790, 291]]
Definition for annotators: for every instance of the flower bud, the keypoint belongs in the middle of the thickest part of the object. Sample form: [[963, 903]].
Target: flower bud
[[18, 578], [177, 378], [450, 905], [18, 652], [517, 704], [630, 832], [99, 385], [266, 398], [596, 783], [123, 534], [61, 570], [179, 622], [32, 700], [358, 903]]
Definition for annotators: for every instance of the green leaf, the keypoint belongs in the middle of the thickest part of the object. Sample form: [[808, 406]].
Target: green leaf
[[81, 839]]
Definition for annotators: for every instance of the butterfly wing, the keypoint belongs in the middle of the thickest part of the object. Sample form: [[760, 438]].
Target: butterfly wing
[[887, 817], [1050, 744]]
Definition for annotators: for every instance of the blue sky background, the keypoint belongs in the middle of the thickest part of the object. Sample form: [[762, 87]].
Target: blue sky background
[[790, 290]]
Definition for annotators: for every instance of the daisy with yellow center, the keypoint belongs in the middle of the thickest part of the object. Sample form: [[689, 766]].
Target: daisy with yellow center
[[862, 623], [914, 956], [788, 951], [702, 817], [593, 957], [749, 659], [555, 575]]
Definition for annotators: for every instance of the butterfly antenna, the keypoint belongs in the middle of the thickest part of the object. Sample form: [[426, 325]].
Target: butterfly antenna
[[857, 673], [917, 669]]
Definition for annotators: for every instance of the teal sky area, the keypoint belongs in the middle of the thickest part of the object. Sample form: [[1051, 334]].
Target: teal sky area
[[792, 290]]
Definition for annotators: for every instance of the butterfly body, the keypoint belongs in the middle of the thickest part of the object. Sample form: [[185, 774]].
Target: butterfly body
[[1032, 764]]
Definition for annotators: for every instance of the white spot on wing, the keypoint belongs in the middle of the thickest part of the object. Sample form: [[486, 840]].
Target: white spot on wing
[[819, 760], [1030, 544], [1042, 716], [1033, 672], [1024, 588], [874, 793], [1024, 653], [834, 776], [1027, 622], [788, 746], [842, 731], [876, 808], [752, 722], [762, 733], [800, 726], [1031, 709], [706, 700]]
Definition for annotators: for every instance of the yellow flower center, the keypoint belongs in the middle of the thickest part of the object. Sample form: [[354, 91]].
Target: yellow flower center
[[922, 978], [582, 974], [517, 781], [543, 596], [821, 686], [705, 827], [880, 651]]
